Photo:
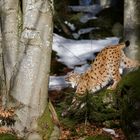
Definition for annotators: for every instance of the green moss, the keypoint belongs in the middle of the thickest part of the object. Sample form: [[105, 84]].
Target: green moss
[[129, 95], [131, 80], [68, 122], [7, 137], [45, 124], [76, 17], [99, 137]]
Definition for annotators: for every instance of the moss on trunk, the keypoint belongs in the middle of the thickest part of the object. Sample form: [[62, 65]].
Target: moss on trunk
[[45, 124]]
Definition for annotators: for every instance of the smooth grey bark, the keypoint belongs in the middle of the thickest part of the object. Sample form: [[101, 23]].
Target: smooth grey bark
[[132, 27], [9, 43], [2, 77], [27, 54], [9, 28], [132, 33]]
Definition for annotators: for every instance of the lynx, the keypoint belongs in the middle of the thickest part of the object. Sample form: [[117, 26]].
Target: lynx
[[103, 70]]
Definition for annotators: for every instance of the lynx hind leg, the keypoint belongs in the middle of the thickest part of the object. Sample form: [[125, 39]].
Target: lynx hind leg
[[116, 78]]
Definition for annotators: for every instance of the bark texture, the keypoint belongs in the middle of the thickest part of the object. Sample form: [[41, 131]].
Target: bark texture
[[9, 33], [132, 27], [26, 28], [131, 121]]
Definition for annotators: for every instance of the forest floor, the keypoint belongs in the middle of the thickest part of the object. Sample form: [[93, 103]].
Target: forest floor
[[90, 130], [72, 130]]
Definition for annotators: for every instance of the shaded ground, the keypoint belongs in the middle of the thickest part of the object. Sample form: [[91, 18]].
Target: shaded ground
[[128, 103], [75, 129], [82, 131]]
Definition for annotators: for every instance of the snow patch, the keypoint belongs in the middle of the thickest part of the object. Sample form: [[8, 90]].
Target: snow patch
[[75, 52], [57, 83], [110, 131]]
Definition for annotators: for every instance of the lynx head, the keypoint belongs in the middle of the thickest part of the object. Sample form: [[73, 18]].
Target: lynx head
[[73, 78]]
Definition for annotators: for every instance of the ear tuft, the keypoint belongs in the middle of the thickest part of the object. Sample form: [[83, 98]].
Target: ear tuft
[[127, 43]]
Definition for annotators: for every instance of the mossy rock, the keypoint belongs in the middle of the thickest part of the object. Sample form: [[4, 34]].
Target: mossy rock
[[129, 95], [98, 107], [102, 106]]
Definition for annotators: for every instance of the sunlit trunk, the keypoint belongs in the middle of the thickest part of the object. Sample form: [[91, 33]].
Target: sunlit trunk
[[26, 45], [132, 27], [9, 31]]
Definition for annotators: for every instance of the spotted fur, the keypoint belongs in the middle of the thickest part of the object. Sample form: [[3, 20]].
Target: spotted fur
[[104, 69]]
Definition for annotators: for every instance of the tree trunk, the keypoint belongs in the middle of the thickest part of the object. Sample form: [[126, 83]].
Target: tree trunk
[[9, 31], [131, 121], [26, 28], [132, 27], [2, 77]]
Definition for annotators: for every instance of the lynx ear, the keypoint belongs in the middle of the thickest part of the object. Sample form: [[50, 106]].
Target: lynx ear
[[127, 43]]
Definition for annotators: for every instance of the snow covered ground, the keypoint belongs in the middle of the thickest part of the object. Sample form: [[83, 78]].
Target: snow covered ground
[[75, 52]]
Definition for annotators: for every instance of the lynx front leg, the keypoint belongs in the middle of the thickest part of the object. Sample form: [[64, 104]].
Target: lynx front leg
[[76, 104]]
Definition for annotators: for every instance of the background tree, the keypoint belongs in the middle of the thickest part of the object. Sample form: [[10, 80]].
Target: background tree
[[25, 53], [130, 117], [132, 27]]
